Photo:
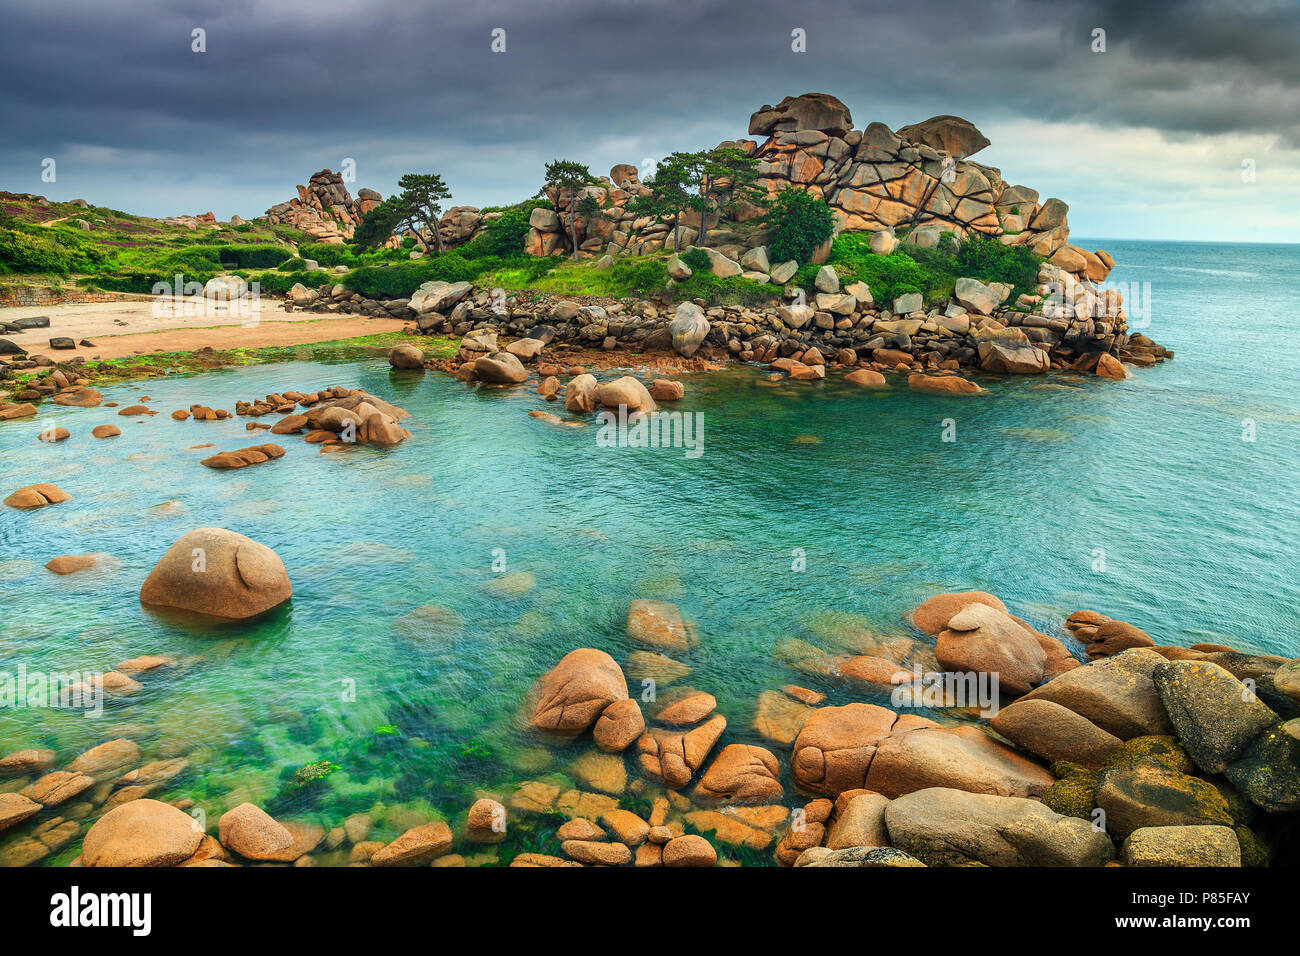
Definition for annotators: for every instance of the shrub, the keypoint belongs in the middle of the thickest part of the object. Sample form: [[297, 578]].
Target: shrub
[[733, 290], [253, 256], [404, 278], [503, 236], [328, 254], [284, 281], [985, 258], [25, 252], [799, 222], [933, 272], [697, 260]]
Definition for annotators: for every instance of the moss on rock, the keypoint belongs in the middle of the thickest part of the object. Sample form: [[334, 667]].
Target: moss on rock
[[1165, 750], [1072, 796]]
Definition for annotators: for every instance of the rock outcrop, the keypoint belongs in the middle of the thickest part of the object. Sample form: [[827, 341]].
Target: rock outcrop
[[324, 209]]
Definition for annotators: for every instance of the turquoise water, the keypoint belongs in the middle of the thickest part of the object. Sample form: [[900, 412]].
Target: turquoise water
[[1197, 527]]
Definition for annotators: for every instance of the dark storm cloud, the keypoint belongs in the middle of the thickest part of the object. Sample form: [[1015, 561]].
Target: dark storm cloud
[[136, 120]]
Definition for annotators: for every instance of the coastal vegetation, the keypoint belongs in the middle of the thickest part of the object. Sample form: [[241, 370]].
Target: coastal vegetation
[[134, 253]]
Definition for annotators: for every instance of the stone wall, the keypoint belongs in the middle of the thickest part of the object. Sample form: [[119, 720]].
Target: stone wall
[[12, 296]]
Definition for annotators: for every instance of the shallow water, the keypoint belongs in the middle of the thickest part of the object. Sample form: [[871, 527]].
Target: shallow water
[[1197, 527]]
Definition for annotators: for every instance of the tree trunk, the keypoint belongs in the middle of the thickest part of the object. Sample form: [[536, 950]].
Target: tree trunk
[[437, 235], [573, 223], [704, 213]]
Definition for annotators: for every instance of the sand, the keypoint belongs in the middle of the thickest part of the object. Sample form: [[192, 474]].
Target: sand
[[120, 329]]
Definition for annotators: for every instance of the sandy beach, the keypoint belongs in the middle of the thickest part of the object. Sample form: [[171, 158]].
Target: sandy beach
[[126, 328]]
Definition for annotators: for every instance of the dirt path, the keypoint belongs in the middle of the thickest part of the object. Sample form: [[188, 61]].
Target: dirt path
[[120, 329]]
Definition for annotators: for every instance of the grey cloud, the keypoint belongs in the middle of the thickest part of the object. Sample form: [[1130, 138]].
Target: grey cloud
[[288, 88]]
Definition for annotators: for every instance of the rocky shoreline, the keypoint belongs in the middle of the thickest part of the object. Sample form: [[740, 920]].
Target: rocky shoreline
[[975, 330], [1145, 755]]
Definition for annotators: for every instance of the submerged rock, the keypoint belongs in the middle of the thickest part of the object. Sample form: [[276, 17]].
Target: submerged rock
[[406, 357], [741, 773], [253, 833], [37, 496], [141, 833], [415, 847]]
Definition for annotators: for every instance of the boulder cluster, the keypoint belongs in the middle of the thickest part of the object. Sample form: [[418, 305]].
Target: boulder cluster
[[1149, 756], [977, 329], [917, 179], [324, 209], [331, 417]]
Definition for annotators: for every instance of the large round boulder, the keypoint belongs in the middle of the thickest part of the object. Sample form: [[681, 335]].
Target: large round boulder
[[141, 833], [499, 368], [819, 111], [932, 616], [1055, 733], [950, 134], [406, 356], [219, 573], [1215, 716], [626, 391], [963, 758], [580, 393], [836, 745], [942, 826], [252, 833], [688, 329], [741, 773], [988, 641], [570, 697]]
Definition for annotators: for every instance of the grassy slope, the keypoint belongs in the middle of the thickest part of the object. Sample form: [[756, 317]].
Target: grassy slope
[[130, 253]]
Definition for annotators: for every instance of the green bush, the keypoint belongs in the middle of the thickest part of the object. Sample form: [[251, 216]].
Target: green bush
[[284, 281], [697, 260], [931, 272], [799, 222], [253, 256], [985, 258], [404, 278], [733, 290], [25, 252], [329, 254], [504, 236]]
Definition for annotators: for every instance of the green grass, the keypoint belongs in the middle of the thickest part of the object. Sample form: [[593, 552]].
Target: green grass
[[932, 272], [41, 242], [638, 277]]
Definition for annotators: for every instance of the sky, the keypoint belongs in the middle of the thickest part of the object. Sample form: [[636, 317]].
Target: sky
[[1180, 121]]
